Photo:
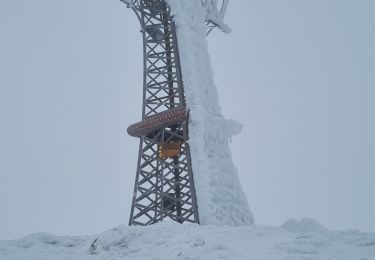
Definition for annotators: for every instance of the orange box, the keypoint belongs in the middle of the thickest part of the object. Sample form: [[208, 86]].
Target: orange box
[[169, 150]]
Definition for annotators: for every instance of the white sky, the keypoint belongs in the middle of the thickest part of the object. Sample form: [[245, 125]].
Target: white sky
[[300, 76]]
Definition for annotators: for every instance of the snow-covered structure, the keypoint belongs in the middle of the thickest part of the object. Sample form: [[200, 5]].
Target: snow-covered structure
[[221, 200], [185, 171]]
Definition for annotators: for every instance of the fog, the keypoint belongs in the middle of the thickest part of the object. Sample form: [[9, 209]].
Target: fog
[[298, 74]]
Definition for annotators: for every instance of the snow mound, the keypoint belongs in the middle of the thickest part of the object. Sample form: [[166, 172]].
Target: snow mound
[[220, 198], [172, 241], [305, 225]]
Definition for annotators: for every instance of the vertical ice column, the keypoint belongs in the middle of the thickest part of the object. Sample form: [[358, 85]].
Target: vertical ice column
[[221, 200]]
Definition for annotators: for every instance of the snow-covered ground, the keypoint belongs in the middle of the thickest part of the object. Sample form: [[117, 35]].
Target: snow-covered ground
[[171, 241]]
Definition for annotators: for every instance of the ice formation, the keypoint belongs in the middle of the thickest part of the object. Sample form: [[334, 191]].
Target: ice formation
[[171, 241], [214, 15], [220, 198]]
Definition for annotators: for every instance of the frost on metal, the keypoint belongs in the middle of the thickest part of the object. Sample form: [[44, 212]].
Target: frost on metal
[[220, 198], [215, 14]]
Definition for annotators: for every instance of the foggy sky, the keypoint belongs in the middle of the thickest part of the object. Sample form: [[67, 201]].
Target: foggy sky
[[298, 74]]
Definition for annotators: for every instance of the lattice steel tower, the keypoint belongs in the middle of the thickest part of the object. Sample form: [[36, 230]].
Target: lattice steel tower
[[164, 185]]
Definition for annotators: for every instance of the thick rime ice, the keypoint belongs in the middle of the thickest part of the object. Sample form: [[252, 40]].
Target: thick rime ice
[[215, 15], [171, 241], [221, 200]]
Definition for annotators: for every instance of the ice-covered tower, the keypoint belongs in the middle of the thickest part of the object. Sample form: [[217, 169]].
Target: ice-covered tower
[[185, 171]]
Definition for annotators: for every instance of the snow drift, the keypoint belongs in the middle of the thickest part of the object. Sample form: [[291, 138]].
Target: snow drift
[[220, 198], [172, 241]]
